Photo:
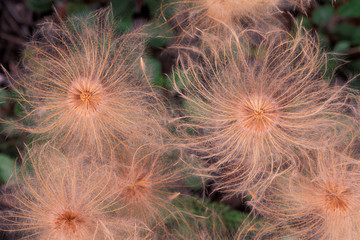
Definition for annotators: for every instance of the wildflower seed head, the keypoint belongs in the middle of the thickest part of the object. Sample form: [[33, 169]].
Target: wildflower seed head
[[318, 202], [64, 199], [220, 17], [144, 178], [137, 188], [84, 87], [253, 109]]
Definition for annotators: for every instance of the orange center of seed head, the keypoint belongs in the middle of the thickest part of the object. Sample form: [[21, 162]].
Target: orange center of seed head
[[85, 96], [336, 199], [137, 189], [68, 220], [258, 114]]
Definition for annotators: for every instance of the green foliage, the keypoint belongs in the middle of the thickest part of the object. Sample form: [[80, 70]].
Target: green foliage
[[335, 24], [177, 77], [153, 5], [348, 32], [77, 8], [230, 218], [354, 67], [19, 110], [322, 15], [153, 66], [342, 46], [304, 22], [194, 182], [41, 5], [350, 9], [124, 9], [123, 12], [4, 97], [7, 166], [160, 33], [123, 25]]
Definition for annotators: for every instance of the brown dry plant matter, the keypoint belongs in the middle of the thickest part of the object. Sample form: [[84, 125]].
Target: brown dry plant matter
[[83, 86], [60, 198], [320, 202], [251, 108]]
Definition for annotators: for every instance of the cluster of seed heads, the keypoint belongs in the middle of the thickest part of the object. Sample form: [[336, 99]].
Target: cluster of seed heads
[[257, 117]]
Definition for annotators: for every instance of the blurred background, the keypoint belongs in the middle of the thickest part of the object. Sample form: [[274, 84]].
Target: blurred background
[[337, 25]]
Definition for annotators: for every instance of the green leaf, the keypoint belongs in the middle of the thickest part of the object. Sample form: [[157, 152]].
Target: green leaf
[[4, 97], [194, 182], [19, 110], [160, 33], [231, 218], [7, 165], [348, 32], [350, 9], [153, 68], [123, 8], [40, 5], [323, 14], [124, 25], [305, 22], [330, 67], [153, 5], [324, 40], [179, 77], [354, 68], [77, 8], [354, 65], [342, 46]]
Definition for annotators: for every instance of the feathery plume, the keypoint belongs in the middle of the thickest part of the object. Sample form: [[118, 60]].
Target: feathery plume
[[84, 86], [252, 108], [62, 198], [222, 16], [320, 202], [148, 180]]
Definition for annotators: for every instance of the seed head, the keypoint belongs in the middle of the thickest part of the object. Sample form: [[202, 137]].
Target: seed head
[[319, 202], [146, 179], [64, 199], [252, 110], [220, 17], [83, 86]]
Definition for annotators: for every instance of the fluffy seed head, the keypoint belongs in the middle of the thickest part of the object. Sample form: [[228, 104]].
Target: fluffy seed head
[[146, 179], [320, 202], [84, 86], [222, 16], [64, 199], [251, 109]]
